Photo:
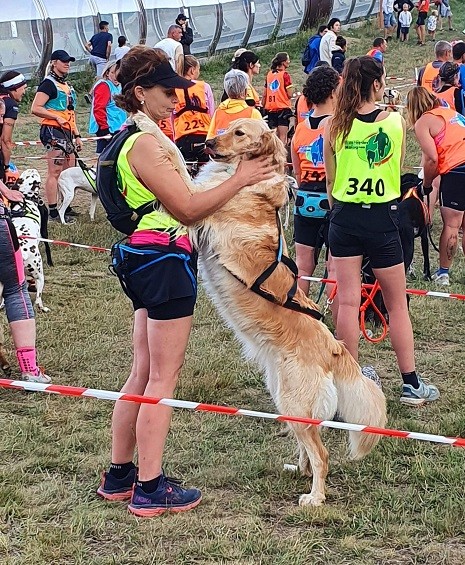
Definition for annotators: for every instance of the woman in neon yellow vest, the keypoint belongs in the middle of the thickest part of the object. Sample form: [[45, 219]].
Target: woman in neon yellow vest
[[364, 149], [157, 274]]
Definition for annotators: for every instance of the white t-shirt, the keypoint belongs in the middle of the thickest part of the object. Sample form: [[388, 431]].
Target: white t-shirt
[[170, 47], [388, 6], [121, 51]]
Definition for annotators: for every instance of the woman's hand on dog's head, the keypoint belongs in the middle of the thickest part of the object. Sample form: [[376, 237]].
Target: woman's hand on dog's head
[[253, 171]]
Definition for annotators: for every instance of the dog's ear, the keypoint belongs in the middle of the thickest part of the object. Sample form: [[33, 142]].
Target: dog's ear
[[273, 146]]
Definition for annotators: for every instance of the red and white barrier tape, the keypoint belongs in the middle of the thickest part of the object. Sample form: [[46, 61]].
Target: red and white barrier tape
[[31, 143], [82, 392], [65, 243], [407, 290]]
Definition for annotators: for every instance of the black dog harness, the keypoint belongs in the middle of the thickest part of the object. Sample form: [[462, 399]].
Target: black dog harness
[[256, 287]]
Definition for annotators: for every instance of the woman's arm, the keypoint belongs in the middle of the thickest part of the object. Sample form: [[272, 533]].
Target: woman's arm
[[428, 149], [6, 141], [100, 100], [404, 142], [11, 195], [296, 165], [330, 162], [167, 185]]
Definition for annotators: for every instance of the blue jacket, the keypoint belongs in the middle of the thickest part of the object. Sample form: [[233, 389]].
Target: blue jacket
[[314, 47]]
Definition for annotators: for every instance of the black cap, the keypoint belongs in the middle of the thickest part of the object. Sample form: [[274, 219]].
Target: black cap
[[181, 17], [163, 75], [61, 55]]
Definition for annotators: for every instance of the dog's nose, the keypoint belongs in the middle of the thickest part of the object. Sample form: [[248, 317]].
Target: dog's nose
[[210, 143]]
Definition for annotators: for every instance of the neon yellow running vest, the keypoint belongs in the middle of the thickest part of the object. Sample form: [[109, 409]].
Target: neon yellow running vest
[[368, 165], [136, 194]]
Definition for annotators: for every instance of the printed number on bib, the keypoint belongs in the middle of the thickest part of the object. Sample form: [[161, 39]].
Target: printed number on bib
[[271, 98], [193, 124], [366, 186]]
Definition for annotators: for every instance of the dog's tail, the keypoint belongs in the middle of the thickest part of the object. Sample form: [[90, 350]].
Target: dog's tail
[[360, 401]]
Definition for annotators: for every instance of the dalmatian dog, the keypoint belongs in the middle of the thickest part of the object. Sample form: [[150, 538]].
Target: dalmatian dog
[[82, 177], [30, 219]]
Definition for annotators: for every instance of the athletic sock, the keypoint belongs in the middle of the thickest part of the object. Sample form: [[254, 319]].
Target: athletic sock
[[442, 271], [27, 360], [121, 470], [149, 486], [52, 210], [411, 379]]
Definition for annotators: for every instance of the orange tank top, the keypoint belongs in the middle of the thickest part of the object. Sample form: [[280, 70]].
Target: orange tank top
[[223, 118], [166, 127], [276, 97], [302, 109], [450, 141], [191, 115], [448, 96], [308, 146], [429, 74]]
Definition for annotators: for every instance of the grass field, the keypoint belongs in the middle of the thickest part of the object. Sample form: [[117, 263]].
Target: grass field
[[401, 505]]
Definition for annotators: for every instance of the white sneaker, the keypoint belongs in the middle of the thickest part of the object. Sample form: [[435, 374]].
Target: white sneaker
[[41, 377], [441, 279]]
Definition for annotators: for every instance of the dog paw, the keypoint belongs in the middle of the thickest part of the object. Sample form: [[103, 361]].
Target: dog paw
[[44, 309], [311, 499]]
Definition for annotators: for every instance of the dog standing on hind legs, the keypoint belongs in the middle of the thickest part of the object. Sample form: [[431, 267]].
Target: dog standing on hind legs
[[246, 272]]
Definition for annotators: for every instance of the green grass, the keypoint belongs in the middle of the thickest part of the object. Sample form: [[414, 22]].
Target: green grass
[[401, 505]]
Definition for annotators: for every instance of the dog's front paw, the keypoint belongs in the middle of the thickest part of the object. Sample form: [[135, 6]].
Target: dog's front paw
[[311, 499], [43, 308]]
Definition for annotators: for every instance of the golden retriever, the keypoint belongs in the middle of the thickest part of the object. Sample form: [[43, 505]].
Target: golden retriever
[[308, 372]]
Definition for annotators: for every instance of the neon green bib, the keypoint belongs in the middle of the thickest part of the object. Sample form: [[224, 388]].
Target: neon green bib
[[368, 164], [136, 194]]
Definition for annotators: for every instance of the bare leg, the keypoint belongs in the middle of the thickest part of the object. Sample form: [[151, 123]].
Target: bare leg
[[393, 285], [281, 132], [305, 260], [452, 220], [23, 333], [167, 342], [55, 165]]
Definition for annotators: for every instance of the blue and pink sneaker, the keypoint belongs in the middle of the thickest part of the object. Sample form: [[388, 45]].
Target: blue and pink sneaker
[[112, 488]]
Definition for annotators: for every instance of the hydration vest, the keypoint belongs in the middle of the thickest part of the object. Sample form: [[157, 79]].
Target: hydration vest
[[60, 106]]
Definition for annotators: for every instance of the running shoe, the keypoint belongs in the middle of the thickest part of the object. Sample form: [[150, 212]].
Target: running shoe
[[170, 496], [418, 396], [441, 279], [57, 220], [369, 372], [114, 489], [40, 377]]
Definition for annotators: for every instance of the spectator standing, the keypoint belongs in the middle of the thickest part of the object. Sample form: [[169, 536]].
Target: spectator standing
[[427, 75], [365, 216], [439, 132], [187, 34], [105, 116], [339, 56], [445, 12], [122, 48], [423, 9], [313, 49], [13, 86], [99, 48], [171, 45], [378, 50], [328, 40], [234, 107], [55, 103], [399, 8], [278, 94], [405, 21], [432, 24], [389, 18]]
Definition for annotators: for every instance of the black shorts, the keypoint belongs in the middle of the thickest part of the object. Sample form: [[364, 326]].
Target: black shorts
[[310, 231], [374, 232], [279, 118], [421, 20], [165, 285], [57, 138], [404, 30], [192, 148], [452, 190]]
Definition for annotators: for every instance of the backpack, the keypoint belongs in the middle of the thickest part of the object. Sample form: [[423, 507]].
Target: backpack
[[306, 56], [121, 216]]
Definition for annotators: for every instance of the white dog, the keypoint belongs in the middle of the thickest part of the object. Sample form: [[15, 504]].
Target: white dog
[[68, 181], [26, 218]]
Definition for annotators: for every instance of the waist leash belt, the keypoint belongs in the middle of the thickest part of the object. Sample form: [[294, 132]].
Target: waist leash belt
[[290, 303], [88, 172]]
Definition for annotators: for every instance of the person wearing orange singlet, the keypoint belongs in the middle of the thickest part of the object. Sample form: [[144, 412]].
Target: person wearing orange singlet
[[192, 114], [448, 88], [429, 73], [278, 94], [311, 205], [440, 132], [235, 106]]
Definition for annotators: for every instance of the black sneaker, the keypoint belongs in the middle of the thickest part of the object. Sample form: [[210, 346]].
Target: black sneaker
[[170, 496], [57, 220], [112, 488]]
